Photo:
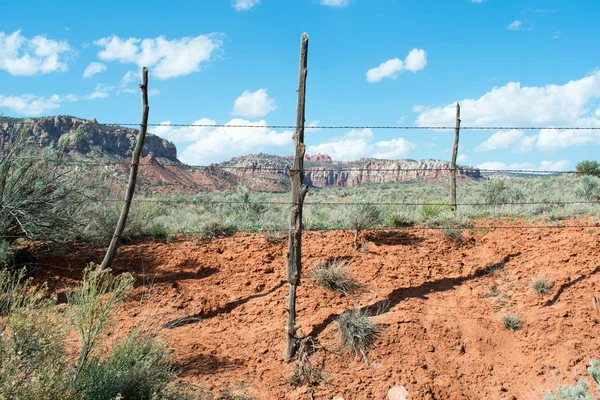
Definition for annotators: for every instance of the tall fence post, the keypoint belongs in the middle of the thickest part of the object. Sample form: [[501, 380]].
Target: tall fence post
[[135, 160], [453, 161], [299, 189]]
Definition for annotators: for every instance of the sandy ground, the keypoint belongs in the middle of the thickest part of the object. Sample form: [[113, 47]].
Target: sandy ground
[[220, 307]]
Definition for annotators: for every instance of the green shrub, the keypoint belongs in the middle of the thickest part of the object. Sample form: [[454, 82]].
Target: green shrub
[[434, 209], [400, 219], [356, 332], [580, 391], [137, 369], [212, 230], [94, 303], [588, 167], [39, 198], [588, 188], [361, 215]]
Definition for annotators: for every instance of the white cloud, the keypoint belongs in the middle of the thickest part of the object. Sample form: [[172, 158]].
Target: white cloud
[[514, 139], [335, 3], [30, 105], [358, 143], [462, 158], [415, 61], [101, 91], [560, 165], [213, 145], [516, 105], [314, 126], [93, 69], [515, 26], [166, 58], [554, 139], [418, 108], [254, 104], [244, 5], [389, 69], [38, 55]]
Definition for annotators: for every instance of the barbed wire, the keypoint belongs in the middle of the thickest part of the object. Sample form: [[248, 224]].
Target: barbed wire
[[339, 203], [392, 127]]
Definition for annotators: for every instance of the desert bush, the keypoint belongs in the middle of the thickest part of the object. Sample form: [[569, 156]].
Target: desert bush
[[356, 332], [580, 391], [452, 234], [512, 322], [212, 230], [400, 219], [137, 368], [39, 198], [541, 285], [32, 365], [588, 167], [360, 215], [434, 209], [588, 188], [94, 303], [498, 192], [333, 275]]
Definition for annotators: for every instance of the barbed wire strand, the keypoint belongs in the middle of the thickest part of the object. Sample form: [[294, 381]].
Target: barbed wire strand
[[390, 127]]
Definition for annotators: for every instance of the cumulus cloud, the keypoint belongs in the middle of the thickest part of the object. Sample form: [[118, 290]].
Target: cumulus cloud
[[515, 26], [93, 69], [516, 105], [101, 91], [38, 55], [462, 158], [335, 3], [254, 104], [571, 104], [415, 61], [359, 143], [211, 145], [560, 165], [244, 5], [30, 105], [511, 139], [166, 58]]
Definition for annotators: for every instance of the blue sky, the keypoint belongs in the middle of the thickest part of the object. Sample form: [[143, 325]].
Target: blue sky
[[371, 62]]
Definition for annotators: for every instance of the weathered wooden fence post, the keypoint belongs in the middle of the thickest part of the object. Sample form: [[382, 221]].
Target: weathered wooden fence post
[[453, 161], [135, 160], [299, 189]]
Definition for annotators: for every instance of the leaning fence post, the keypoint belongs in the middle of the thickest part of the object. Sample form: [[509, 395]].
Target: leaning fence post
[[299, 189], [453, 161], [135, 160]]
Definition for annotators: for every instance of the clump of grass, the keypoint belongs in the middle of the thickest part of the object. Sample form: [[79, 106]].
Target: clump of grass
[[540, 285], [452, 234], [212, 230], [512, 322], [400, 220], [434, 209], [333, 275], [356, 332]]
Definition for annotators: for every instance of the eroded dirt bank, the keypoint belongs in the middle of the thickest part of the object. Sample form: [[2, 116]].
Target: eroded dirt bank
[[220, 307]]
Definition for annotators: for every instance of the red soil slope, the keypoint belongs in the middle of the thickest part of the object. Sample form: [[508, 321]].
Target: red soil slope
[[442, 333]]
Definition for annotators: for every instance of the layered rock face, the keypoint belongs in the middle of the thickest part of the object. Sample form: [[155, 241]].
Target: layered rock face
[[103, 141], [322, 172], [162, 169]]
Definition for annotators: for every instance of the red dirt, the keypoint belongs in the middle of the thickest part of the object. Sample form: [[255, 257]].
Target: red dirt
[[442, 333]]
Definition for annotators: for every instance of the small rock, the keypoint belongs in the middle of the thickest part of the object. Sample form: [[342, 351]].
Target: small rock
[[397, 393]]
